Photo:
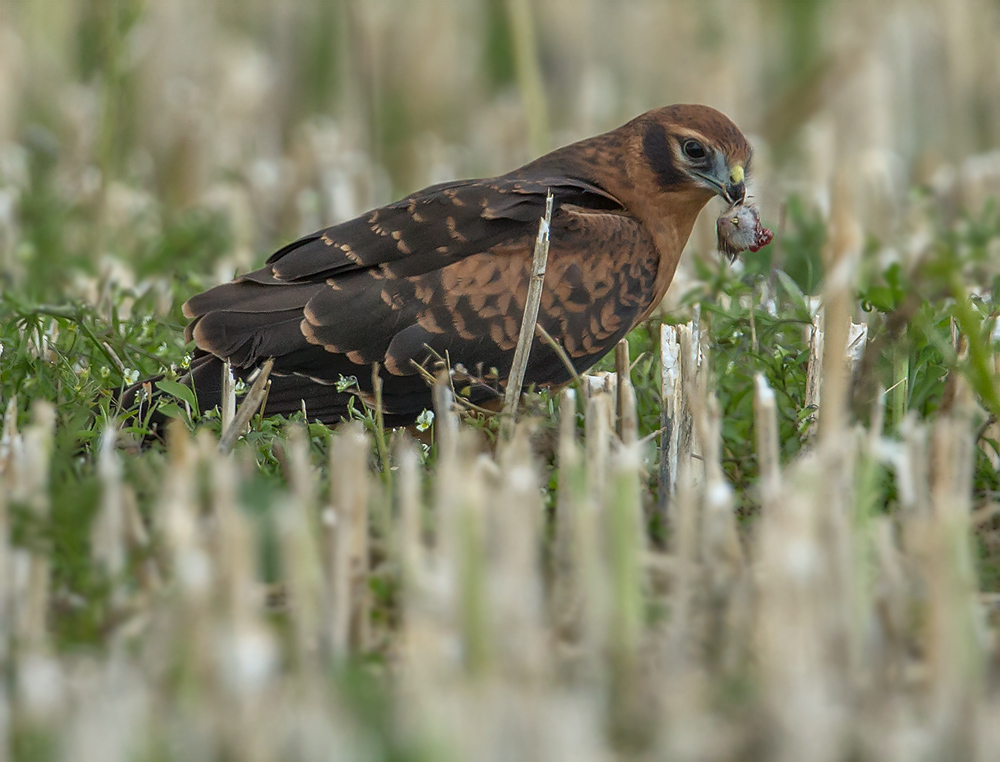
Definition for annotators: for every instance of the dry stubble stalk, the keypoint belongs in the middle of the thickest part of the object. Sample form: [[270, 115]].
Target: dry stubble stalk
[[766, 424], [520, 363], [228, 396], [347, 536], [254, 399], [669, 390], [622, 371], [841, 255]]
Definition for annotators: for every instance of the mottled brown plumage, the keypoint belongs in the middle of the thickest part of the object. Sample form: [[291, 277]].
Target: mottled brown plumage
[[444, 272]]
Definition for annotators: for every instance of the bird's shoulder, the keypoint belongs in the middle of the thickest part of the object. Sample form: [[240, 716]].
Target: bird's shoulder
[[434, 227]]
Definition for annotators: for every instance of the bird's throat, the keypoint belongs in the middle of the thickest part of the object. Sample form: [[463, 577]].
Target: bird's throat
[[671, 230]]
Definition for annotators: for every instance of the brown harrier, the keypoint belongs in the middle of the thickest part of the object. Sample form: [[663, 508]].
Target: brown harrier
[[444, 272]]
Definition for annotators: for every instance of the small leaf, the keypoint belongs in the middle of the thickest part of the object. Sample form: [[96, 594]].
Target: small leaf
[[806, 412], [171, 410], [881, 298], [793, 290], [180, 391]]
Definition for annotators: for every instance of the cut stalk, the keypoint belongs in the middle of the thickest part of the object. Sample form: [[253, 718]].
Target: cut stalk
[[534, 298], [255, 397]]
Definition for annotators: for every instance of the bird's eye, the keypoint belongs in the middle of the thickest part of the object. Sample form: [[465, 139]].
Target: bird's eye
[[694, 149]]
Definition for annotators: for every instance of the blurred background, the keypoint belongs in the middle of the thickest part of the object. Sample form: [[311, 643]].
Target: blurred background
[[151, 148], [141, 137]]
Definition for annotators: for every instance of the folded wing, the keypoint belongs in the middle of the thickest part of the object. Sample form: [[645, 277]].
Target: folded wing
[[442, 273]]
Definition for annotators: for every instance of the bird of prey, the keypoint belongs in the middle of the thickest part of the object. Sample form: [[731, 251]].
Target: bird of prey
[[444, 272]]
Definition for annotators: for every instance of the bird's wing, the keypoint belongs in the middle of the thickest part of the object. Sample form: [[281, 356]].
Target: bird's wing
[[429, 229], [599, 280], [259, 314], [443, 272]]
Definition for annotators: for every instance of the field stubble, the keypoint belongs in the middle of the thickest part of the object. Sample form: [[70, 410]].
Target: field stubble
[[805, 568]]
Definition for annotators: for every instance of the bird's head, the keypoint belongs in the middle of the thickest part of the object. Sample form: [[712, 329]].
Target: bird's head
[[694, 150]]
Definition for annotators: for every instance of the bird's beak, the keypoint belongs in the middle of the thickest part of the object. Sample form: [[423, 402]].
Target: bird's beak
[[736, 189], [726, 182]]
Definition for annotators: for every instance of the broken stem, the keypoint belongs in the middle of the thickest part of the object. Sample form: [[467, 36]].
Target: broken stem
[[250, 404], [528, 321]]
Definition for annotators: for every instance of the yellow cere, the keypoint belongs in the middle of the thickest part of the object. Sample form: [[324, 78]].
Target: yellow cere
[[736, 174]]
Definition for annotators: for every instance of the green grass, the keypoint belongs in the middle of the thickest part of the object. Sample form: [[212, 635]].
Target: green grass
[[78, 357], [115, 149]]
